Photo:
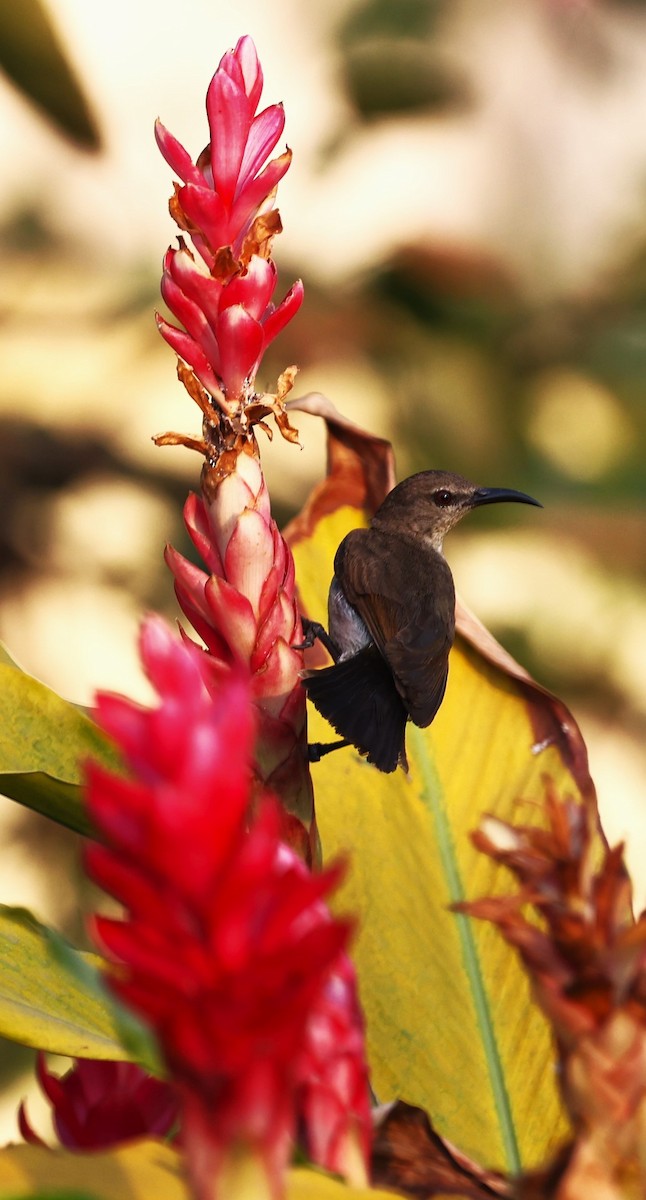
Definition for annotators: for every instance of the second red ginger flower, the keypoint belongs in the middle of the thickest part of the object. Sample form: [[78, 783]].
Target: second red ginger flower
[[226, 948]]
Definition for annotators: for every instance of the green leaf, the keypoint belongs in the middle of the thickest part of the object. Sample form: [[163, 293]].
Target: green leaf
[[44, 741], [138, 1172], [408, 18], [61, 802], [52, 997], [386, 78], [34, 59], [451, 1025]]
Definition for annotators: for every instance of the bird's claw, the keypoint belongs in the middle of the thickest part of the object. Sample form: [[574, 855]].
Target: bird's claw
[[314, 631], [317, 750]]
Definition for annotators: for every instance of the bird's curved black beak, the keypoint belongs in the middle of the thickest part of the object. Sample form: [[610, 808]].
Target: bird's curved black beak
[[494, 495]]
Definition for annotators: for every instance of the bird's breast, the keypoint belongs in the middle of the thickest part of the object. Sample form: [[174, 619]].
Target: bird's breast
[[345, 625]]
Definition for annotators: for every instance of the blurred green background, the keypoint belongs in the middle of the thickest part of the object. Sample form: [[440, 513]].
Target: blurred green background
[[467, 207]]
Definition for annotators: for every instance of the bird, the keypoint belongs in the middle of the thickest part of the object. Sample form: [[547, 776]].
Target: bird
[[391, 617]]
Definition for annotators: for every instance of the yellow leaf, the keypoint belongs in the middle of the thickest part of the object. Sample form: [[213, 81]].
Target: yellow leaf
[[450, 1022], [42, 732], [44, 741], [139, 1171], [51, 996], [310, 1185]]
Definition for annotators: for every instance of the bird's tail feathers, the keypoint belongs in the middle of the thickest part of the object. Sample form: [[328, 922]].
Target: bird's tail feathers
[[358, 698]]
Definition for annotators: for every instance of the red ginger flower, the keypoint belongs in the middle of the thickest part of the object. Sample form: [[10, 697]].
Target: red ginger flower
[[227, 189], [245, 611], [226, 306], [100, 1104], [226, 947]]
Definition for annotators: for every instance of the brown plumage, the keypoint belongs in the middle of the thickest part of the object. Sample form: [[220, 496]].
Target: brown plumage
[[391, 613]]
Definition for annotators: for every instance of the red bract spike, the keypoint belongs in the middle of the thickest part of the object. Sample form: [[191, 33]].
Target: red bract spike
[[258, 192], [265, 132], [199, 531], [226, 946], [178, 159], [275, 321], [233, 617], [221, 293], [228, 113], [246, 61], [224, 207], [188, 349]]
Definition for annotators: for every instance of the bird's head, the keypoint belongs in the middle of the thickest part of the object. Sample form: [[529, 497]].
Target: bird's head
[[432, 502]]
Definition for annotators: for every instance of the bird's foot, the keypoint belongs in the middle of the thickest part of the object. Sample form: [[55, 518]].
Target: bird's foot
[[314, 631], [309, 635], [317, 750]]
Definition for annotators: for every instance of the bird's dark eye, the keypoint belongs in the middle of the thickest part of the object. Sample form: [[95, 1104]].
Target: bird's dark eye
[[443, 498]]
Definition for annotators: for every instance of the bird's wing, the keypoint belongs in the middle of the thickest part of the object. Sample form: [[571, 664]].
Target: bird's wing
[[419, 660], [370, 589], [411, 623]]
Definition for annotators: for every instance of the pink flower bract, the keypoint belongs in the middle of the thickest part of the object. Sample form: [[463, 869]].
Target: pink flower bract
[[226, 946], [224, 302], [229, 184]]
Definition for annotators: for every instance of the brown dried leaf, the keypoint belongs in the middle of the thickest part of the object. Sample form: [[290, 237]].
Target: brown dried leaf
[[288, 431], [225, 266], [196, 391], [409, 1155], [587, 964], [588, 955], [360, 468], [267, 403], [263, 231], [177, 212], [180, 439]]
